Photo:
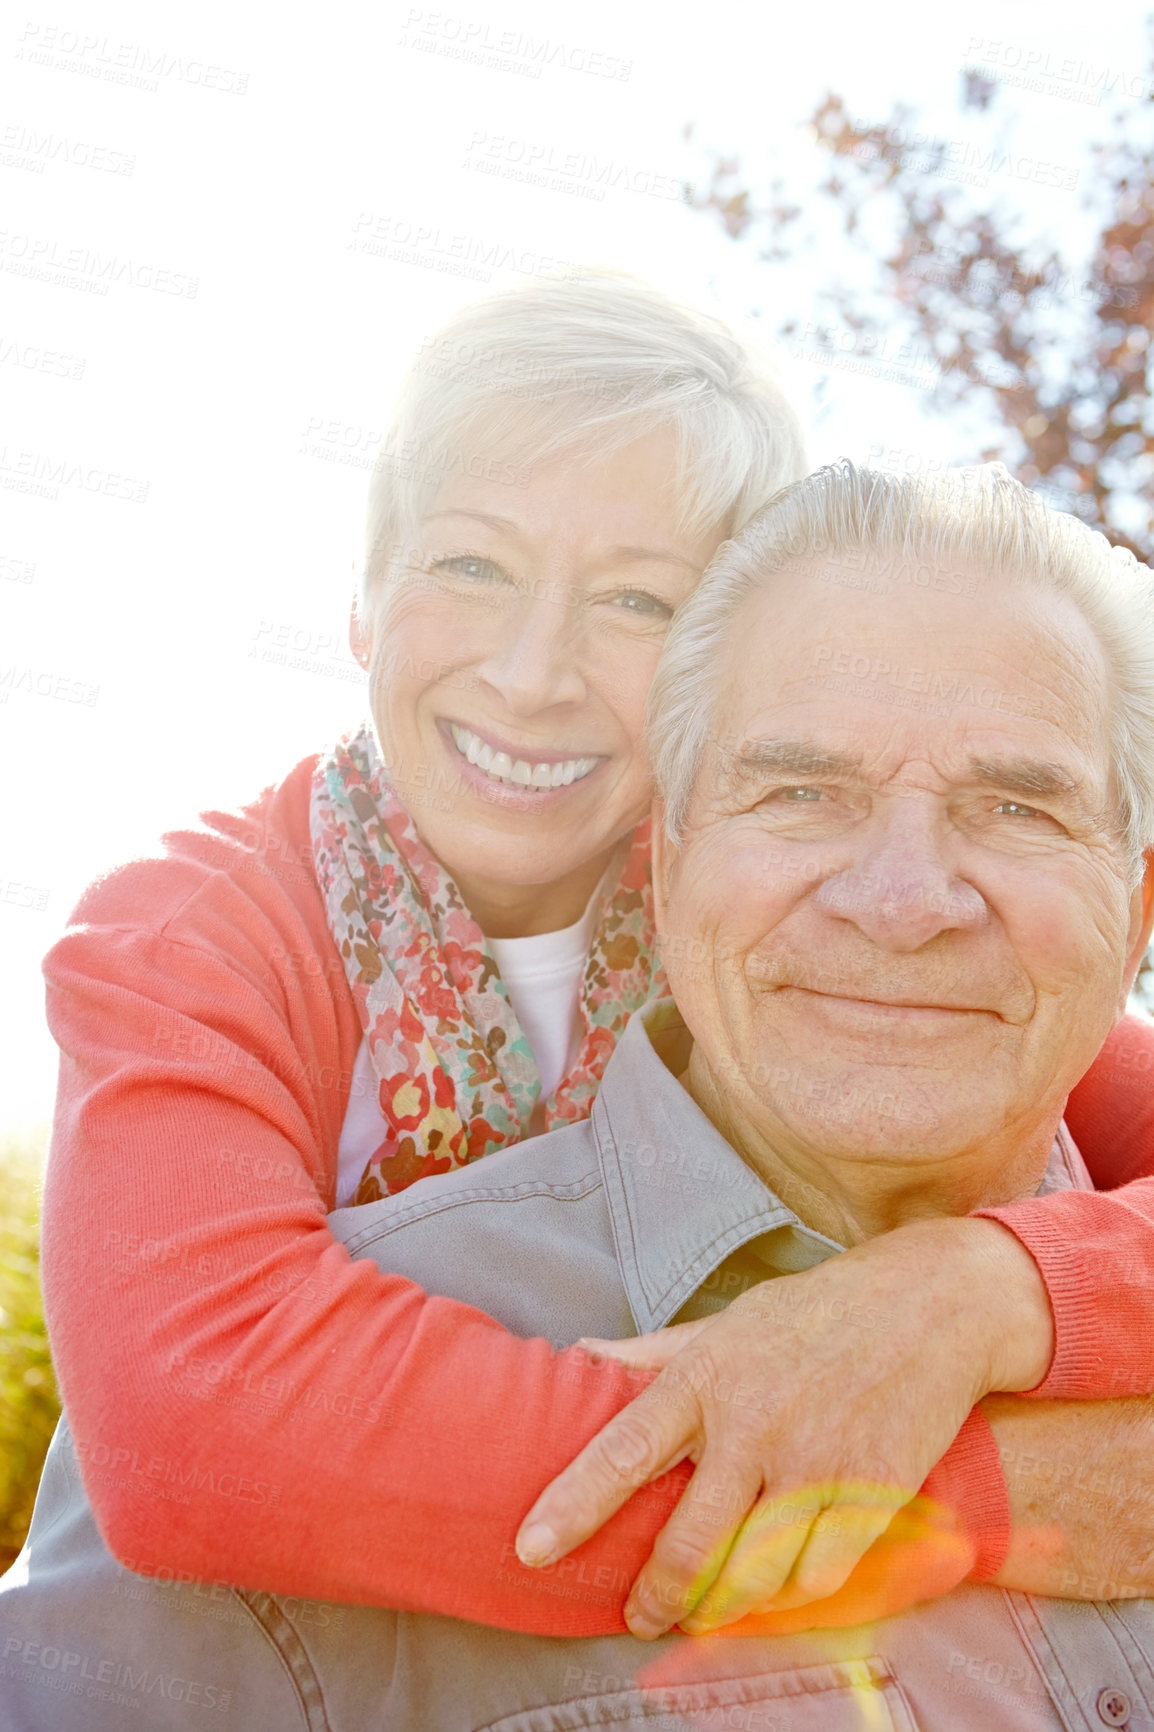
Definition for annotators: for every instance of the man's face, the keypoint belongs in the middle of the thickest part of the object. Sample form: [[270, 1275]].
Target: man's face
[[902, 869]]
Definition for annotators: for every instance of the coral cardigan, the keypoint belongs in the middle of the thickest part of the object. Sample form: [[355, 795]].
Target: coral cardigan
[[347, 1436]]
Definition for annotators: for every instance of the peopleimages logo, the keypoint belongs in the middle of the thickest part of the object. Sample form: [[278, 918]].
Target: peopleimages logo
[[38, 473], [379, 235], [71, 1670], [26, 147], [476, 41], [159, 1470], [1031, 68], [129, 63], [539, 162], [42, 683], [956, 159], [48, 259], [30, 358]]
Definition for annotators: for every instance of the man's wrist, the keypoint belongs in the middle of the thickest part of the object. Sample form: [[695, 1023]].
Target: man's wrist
[[1021, 1339]]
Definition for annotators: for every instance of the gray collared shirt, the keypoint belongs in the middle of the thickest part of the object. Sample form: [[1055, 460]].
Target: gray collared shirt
[[640, 1215]]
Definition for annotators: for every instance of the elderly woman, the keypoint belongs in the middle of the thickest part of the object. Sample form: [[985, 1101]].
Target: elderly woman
[[423, 947]]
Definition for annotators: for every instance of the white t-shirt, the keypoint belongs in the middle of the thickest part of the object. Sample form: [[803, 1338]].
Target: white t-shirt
[[543, 978]]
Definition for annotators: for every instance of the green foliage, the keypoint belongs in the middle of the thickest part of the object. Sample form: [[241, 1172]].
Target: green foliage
[[28, 1401]]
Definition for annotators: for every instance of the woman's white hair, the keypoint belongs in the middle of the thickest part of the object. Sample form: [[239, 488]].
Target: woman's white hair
[[869, 520], [578, 368]]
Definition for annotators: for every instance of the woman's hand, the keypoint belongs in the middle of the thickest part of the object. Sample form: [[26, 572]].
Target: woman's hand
[[813, 1408]]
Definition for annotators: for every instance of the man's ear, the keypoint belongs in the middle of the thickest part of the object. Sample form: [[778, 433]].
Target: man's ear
[[1141, 922], [664, 854]]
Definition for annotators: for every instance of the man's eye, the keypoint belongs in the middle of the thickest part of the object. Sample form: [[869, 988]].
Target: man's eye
[[800, 795], [1015, 809], [469, 566]]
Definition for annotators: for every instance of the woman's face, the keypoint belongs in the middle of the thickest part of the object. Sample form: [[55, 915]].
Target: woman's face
[[510, 659]]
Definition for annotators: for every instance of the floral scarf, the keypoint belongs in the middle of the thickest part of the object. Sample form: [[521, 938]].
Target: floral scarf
[[457, 1077]]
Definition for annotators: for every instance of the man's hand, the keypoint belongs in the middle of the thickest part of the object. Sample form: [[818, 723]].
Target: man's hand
[[813, 1408], [1080, 1475], [921, 1556]]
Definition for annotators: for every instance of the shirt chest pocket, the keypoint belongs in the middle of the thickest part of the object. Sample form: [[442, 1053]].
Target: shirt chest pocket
[[858, 1696]]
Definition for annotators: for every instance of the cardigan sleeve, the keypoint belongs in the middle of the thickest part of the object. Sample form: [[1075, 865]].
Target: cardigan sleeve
[[1111, 1112], [1095, 1249]]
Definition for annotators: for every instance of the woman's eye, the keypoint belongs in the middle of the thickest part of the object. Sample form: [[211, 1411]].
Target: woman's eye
[[798, 796], [469, 566], [643, 603]]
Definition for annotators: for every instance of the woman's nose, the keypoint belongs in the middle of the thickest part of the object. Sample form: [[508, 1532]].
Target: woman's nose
[[534, 659]]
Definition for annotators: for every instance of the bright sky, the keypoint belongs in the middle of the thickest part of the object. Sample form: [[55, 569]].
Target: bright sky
[[223, 232]]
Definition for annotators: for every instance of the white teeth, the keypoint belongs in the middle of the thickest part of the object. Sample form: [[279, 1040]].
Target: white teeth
[[519, 773]]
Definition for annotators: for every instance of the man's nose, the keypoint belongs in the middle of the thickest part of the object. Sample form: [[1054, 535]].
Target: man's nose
[[533, 660], [900, 891]]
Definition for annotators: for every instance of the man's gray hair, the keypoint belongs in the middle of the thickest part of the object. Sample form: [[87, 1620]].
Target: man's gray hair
[[861, 518], [579, 368]]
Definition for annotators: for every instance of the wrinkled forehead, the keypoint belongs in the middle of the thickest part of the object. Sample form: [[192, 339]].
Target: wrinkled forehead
[[895, 656]]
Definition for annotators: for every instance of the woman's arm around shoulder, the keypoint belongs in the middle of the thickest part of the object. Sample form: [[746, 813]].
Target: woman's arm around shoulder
[[249, 1404], [1095, 1249]]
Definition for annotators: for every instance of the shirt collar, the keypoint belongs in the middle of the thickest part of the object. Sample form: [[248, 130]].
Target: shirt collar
[[681, 1199]]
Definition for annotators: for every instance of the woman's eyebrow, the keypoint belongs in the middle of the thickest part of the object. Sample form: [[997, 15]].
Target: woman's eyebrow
[[665, 554], [636, 554], [477, 517]]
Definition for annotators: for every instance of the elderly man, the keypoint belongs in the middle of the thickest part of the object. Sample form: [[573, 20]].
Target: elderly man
[[904, 737]]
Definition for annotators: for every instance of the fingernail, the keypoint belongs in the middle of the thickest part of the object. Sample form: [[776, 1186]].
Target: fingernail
[[642, 1623], [536, 1545]]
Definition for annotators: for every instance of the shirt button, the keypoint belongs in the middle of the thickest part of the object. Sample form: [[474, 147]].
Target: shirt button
[[1113, 1707]]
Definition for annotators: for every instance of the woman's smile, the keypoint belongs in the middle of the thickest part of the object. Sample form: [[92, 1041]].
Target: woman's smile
[[526, 768]]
